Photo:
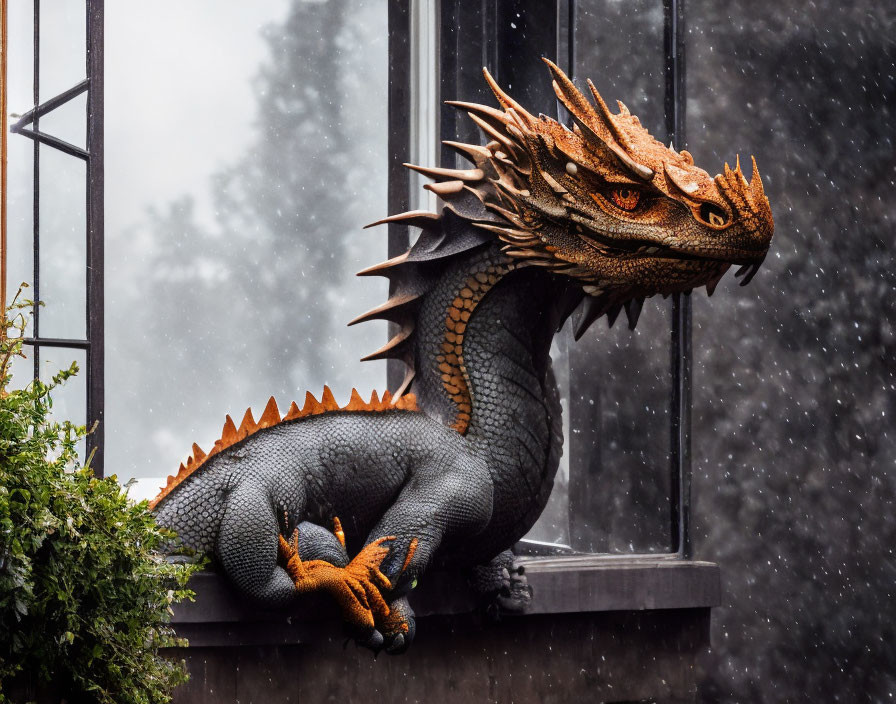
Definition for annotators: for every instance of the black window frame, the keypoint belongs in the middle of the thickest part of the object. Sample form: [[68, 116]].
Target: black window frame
[[28, 125]]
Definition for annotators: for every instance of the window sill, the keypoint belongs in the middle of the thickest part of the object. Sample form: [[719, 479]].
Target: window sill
[[600, 628], [560, 585]]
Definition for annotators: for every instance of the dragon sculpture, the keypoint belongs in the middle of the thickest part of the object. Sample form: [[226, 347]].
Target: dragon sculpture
[[458, 463]]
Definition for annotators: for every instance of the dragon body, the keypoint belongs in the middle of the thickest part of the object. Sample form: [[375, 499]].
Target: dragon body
[[457, 465]]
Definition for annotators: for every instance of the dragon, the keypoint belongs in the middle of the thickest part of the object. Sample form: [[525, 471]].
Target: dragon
[[548, 221]]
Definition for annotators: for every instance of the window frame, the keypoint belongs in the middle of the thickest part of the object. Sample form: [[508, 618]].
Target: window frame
[[29, 126], [470, 36], [467, 37]]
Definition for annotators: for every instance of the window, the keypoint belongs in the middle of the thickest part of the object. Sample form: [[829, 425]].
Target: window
[[239, 183], [623, 485], [55, 198]]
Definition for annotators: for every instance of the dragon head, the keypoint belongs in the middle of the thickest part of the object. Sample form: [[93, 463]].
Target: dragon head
[[605, 203]]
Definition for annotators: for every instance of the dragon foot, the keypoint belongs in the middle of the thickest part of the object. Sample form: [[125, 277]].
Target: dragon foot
[[502, 586], [356, 587], [398, 628]]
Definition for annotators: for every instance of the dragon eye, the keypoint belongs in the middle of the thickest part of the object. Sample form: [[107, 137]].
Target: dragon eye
[[625, 198], [713, 215]]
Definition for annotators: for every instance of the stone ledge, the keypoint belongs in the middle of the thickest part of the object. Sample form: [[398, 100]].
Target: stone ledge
[[561, 585]]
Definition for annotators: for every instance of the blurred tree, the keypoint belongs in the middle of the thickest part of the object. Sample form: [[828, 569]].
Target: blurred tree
[[256, 290]]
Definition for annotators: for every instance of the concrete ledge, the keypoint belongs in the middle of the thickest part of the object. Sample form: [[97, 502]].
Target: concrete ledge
[[574, 584], [601, 629]]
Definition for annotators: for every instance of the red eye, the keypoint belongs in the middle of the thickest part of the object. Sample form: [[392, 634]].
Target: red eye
[[625, 198]]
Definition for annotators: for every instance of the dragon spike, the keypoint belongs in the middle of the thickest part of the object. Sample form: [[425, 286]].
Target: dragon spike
[[405, 402], [471, 152], [440, 174], [293, 412], [506, 101], [569, 95], [711, 285], [414, 218], [740, 174], [607, 117], [378, 269], [271, 414], [312, 405], [756, 188], [590, 310], [750, 271], [679, 178], [506, 143], [374, 399], [587, 118], [643, 172], [389, 310], [198, 453], [229, 434], [391, 348], [613, 313], [248, 425], [405, 383], [503, 232], [446, 188], [328, 401], [633, 309], [386, 401], [520, 124], [486, 112], [355, 403]]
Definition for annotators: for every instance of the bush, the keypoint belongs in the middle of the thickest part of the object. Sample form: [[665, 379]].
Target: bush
[[85, 596]]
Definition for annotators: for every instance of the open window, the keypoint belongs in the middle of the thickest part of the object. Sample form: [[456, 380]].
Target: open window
[[53, 197]]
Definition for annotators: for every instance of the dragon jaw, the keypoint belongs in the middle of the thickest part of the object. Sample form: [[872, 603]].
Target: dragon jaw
[[605, 203]]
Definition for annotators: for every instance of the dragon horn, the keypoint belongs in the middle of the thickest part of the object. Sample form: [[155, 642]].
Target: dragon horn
[[484, 111], [588, 119], [505, 100], [607, 116], [756, 189]]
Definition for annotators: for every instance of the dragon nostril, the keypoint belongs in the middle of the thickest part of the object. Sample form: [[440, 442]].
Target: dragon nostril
[[713, 215]]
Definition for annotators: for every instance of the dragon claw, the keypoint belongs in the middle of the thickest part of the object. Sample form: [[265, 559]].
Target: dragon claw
[[356, 587]]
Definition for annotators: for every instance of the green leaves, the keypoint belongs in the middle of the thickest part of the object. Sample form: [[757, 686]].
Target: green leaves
[[85, 596]]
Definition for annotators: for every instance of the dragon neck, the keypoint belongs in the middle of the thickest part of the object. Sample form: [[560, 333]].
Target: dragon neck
[[483, 365]]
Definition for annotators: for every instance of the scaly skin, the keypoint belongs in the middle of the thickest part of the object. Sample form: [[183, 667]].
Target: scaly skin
[[546, 217]]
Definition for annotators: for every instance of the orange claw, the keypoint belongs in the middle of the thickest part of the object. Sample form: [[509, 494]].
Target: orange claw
[[355, 587], [337, 530]]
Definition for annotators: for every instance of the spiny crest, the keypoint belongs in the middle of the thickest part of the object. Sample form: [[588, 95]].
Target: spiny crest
[[231, 434], [541, 189]]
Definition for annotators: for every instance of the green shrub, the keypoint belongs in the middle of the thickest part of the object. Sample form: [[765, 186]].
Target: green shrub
[[85, 596]]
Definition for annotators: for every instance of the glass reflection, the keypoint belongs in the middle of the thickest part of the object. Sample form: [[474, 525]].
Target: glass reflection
[[620, 382]]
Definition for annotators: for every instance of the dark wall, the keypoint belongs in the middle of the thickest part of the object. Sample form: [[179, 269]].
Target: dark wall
[[794, 397]]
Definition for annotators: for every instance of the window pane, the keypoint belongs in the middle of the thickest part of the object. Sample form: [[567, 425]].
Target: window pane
[[70, 398], [68, 122], [63, 46], [63, 245], [620, 380], [244, 153], [19, 217], [20, 151]]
